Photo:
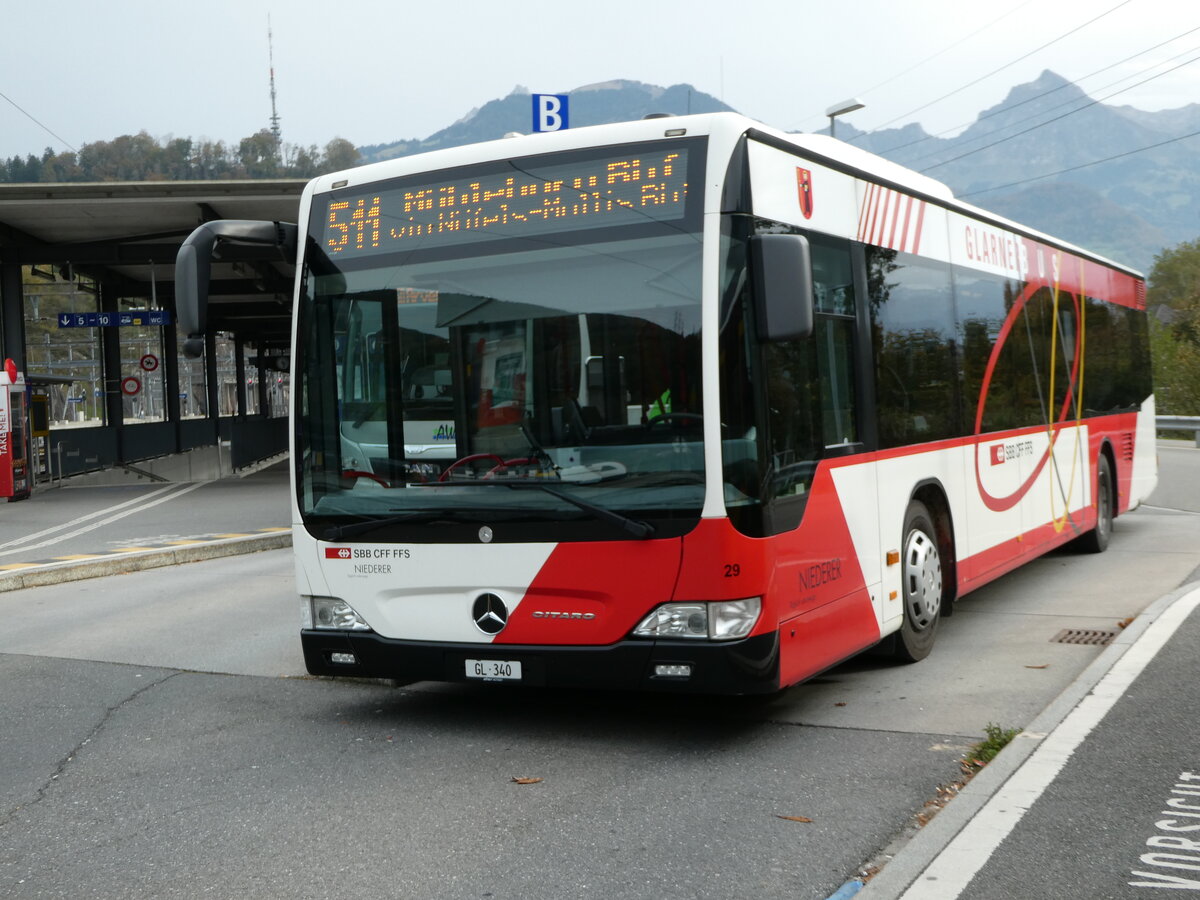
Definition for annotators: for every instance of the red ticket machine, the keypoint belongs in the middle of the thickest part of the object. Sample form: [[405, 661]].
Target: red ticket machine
[[14, 434]]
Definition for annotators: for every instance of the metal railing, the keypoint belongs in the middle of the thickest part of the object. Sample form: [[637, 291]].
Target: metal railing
[[1179, 423]]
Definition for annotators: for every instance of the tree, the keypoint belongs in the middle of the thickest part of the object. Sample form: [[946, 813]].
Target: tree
[[16, 170], [1175, 336], [1176, 371], [177, 160], [259, 155], [1175, 283], [59, 167], [339, 154], [301, 162]]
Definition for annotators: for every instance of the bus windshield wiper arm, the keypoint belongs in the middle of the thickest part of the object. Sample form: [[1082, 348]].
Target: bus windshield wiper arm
[[341, 532], [637, 528]]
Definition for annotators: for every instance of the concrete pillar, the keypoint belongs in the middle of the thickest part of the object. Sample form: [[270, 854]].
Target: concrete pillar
[[110, 345], [12, 311], [262, 385], [171, 364], [239, 355]]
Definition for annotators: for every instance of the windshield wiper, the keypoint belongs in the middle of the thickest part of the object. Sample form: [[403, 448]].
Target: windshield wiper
[[637, 528], [424, 516]]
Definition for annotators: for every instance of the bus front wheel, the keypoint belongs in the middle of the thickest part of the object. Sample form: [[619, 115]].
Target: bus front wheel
[[923, 587]]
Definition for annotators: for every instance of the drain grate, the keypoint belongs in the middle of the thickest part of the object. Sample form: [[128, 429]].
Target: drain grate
[[1096, 637]]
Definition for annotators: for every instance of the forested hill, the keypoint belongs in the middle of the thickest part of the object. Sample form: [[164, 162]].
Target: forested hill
[[140, 157], [1119, 181]]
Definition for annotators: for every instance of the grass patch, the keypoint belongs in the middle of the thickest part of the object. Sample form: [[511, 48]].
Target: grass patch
[[985, 751]]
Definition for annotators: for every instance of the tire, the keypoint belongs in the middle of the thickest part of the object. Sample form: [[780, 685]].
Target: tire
[[923, 590], [1096, 540]]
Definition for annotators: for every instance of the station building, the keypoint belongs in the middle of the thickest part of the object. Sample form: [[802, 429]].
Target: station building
[[87, 314]]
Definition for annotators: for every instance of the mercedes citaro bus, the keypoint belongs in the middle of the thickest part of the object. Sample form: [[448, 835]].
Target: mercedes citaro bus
[[684, 404]]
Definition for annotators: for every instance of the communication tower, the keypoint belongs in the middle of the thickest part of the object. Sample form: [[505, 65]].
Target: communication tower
[[275, 133]]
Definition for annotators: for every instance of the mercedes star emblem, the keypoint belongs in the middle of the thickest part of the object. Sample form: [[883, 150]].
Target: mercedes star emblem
[[490, 614], [485, 534]]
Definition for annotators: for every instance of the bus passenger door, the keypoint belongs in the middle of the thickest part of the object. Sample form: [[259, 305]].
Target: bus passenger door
[[832, 601], [840, 337]]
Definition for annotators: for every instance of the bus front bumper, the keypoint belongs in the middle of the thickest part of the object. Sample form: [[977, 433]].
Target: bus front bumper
[[749, 666]]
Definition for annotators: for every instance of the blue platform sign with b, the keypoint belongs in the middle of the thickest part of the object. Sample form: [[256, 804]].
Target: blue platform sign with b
[[550, 112]]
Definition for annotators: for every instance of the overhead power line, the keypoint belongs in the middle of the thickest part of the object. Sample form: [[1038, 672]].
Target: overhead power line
[[1089, 105], [1009, 108], [1025, 56], [35, 121], [912, 163], [958, 43], [1012, 184]]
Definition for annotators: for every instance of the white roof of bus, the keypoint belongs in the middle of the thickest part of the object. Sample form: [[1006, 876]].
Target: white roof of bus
[[639, 130], [853, 158]]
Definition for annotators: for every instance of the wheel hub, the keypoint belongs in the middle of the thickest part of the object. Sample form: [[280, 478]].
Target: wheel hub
[[922, 580]]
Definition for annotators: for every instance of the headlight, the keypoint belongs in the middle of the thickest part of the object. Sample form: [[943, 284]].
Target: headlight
[[733, 619], [333, 614], [676, 620], [726, 620]]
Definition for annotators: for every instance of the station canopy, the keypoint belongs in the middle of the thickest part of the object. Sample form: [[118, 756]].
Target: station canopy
[[126, 235]]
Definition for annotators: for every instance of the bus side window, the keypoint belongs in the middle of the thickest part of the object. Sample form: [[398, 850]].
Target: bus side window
[[916, 357], [833, 337]]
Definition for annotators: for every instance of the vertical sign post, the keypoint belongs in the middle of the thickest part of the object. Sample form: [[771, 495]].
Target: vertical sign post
[[550, 112]]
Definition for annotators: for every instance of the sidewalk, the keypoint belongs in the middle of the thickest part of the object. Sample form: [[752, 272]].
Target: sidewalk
[[72, 532], [1094, 799]]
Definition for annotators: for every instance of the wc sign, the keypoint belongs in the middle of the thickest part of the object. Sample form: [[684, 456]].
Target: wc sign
[[550, 112]]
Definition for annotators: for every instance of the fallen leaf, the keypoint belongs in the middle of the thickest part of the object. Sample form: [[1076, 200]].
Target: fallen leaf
[[793, 818], [523, 780], [839, 704], [1125, 623], [1042, 666]]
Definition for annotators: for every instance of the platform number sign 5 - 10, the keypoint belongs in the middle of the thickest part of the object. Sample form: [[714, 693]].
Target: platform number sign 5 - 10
[[550, 112]]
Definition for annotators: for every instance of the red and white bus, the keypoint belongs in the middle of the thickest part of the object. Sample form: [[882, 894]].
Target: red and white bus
[[683, 404]]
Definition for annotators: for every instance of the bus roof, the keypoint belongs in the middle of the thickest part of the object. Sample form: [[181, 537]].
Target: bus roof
[[839, 154]]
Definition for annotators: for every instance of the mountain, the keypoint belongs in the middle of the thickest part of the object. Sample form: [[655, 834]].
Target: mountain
[[593, 104], [1031, 158], [1128, 208]]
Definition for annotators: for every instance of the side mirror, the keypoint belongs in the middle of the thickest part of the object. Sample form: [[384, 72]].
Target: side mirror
[[193, 268], [781, 272]]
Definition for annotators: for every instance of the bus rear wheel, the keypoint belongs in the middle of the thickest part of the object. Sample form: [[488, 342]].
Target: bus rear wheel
[[1096, 540], [923, 586]]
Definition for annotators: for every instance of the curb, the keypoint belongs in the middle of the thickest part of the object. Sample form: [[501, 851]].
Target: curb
[[121, 563], [927, 844]]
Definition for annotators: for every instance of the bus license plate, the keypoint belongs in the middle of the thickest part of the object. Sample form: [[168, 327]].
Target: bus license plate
[[494, 669]]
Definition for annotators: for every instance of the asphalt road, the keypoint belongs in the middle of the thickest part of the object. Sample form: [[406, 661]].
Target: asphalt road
[[1178, 477], [160, 740], [75, 521], [1113, 818]]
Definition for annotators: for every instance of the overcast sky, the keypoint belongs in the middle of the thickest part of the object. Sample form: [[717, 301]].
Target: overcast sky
[[372, 71]]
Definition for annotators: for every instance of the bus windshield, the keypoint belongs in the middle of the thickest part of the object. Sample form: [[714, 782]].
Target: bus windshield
[[532, 384]]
